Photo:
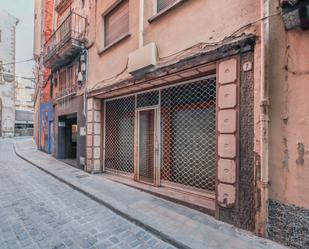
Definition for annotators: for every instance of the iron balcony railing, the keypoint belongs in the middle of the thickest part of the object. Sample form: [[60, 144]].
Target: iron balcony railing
[[67, 92], [72, 30]]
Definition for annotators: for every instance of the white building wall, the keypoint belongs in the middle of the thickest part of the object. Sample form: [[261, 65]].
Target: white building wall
[[24, 92], [7, 78]]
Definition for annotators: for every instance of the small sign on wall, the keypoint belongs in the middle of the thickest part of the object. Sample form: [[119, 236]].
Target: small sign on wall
[[82, 160], [247, 66], [61, 124], [82, 131]]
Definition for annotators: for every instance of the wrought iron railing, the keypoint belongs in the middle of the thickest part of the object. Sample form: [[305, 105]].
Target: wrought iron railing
[[72, 29], [67, 92]]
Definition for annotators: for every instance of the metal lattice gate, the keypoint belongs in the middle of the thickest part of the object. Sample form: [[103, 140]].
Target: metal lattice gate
[[119, 135], [188, 130], [187, 133]]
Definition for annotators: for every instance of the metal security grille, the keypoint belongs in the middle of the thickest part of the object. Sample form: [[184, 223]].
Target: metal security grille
[[188, 134], [146, 145], [119, 134], [148, 99]]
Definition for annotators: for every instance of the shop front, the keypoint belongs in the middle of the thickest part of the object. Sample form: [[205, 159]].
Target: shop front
[[184, 131]]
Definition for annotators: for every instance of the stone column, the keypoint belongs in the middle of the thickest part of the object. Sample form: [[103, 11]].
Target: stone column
[[94, 124], [227, 130]]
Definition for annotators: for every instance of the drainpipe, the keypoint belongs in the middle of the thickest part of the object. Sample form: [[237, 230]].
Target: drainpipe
[[86, 80], [141, 24], [264, 117]]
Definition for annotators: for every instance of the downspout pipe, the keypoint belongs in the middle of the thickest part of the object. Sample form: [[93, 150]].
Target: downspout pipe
[[264, 117], [141, 23]]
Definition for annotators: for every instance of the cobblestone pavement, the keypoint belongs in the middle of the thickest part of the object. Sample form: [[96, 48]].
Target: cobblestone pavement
[[38, 211]]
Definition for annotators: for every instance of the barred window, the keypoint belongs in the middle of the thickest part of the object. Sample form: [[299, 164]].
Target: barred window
[[119, 140], [116, 23], [162, 4], [187, 131], [188, 134]]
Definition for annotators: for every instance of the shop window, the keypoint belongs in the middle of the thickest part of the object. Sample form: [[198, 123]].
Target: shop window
[[119, 155], [62, 81], [187, 134]]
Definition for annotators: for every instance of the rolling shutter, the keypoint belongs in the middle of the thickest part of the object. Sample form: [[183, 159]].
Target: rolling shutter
[[162, 4], [116, 23]]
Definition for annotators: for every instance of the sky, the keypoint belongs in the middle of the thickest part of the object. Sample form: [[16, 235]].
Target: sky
[[24, 11]]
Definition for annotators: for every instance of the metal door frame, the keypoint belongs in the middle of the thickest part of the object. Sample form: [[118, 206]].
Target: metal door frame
[[156, 170]]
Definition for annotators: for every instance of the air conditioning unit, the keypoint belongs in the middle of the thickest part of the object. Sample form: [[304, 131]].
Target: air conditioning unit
[[142, 58]]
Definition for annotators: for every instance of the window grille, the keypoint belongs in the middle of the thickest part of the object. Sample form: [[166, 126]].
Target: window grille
[[162, 4], [146, 145], [187, 131], [119, 130], [148, 99], [116, 23], [188, 134]]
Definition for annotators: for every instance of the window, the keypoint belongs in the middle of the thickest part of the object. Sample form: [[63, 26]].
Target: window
[[83, 3], [62, 81], [116, 23], [71, 77], [67, 80], [162, 4]]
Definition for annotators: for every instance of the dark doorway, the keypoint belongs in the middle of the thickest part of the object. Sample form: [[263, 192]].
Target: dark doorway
[[67, 138]]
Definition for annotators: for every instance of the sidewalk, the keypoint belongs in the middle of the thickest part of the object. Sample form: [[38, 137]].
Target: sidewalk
[[176, 224]]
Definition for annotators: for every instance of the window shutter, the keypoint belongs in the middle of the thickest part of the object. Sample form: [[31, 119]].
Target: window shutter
[[117, 23], [162, 4]]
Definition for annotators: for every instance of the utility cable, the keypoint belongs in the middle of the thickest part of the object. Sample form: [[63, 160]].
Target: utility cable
[[16, 62]]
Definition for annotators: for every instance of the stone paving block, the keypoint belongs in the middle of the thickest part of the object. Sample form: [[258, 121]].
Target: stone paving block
[[45, 213]]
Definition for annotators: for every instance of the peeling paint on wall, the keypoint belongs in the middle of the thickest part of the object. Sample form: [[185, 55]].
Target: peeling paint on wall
[[301, 152], [286, 157]]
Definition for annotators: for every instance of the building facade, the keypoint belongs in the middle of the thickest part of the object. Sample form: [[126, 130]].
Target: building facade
[[8, 25], [24, 115], [168, 104], [66, 57], [163, 95], [43, 27]]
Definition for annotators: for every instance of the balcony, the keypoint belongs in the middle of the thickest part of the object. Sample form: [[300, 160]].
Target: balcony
[[66, 42], [65, 93]]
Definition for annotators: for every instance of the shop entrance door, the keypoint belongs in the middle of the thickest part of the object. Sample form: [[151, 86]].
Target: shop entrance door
[[147, 145]]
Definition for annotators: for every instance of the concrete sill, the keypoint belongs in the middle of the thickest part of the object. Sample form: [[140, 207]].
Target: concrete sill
[[121, 38], [165, 10]]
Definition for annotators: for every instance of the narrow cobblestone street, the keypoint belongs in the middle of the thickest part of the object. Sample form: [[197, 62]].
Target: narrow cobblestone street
[[38, 211]]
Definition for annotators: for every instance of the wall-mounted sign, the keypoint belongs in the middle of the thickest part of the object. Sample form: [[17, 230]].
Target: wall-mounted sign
[[247, 66], [61, 124], [82, 131]]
